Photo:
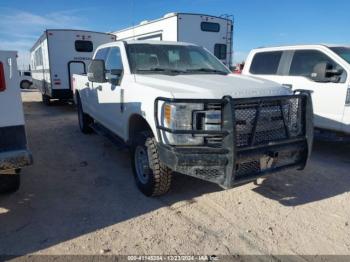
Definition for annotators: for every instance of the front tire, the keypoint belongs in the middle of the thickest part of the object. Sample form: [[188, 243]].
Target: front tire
[[9, 183], [84, 119], [151, 176]]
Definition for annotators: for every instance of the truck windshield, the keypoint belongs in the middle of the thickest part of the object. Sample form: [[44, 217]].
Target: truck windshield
[[173, 59], [343, 52]]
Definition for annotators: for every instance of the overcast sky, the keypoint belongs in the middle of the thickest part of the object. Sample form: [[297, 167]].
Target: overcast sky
[[257, 23]]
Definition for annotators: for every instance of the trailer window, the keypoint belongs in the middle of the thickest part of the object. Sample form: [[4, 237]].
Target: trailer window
[[266, 63], [84, 46], [220, 51], [210, 27], [38, 57]]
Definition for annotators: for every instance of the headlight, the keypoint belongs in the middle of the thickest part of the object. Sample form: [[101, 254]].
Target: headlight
[[188, 116]]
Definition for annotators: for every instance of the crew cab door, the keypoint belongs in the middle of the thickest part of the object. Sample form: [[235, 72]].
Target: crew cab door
[[328, 97], [110, 93]]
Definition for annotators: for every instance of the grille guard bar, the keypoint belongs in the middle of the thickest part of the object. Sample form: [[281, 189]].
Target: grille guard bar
[[228, 132]]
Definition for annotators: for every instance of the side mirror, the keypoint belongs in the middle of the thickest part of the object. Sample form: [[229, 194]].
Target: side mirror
[[97, 71], [324, 72]]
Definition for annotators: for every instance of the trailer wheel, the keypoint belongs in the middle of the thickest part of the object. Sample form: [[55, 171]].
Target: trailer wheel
[[9, 183], [25, 84], [45, 99], [152, 180], [84, 119]]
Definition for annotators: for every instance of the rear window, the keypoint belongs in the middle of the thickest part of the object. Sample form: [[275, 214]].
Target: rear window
[[84, 46], [220, 51], [266, 63], [210, 27]]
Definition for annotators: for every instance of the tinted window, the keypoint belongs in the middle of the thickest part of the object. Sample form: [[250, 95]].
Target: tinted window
[[27, 74], [210, 27], [343, 52], [220, 51], [102, 53], [266, 63], [146, 58], [83, 46], [304, 61], [114, 60]]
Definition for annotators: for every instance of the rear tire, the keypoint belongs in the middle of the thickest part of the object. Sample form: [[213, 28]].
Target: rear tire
[[46, 99], [151, 180], [9, 183], [84, 119], [25, 84]]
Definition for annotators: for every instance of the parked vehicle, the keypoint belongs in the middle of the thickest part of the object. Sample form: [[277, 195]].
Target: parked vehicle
[[322, 69], [25, 79], [180, 109], [57, 55], [211, 32], [14, 153]]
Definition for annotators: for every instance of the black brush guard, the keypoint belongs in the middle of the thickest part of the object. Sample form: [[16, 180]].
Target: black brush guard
[[259, 136]]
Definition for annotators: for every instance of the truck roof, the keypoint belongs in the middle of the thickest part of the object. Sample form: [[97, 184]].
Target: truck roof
[[287, 47]]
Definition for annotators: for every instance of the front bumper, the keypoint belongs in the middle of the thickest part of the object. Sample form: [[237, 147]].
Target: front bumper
[[15, 159], [234, 161]]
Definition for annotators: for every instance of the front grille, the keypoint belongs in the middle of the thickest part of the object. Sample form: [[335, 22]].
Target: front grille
[[262, 122]]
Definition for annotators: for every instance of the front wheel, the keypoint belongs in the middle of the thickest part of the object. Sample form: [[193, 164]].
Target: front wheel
[[84, 119], [9, 183], [152, 177]]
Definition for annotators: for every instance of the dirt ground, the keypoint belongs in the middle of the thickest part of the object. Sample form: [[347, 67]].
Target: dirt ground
[[79, 198]]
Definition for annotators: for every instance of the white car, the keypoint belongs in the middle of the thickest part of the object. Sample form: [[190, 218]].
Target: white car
[[14, 153], [322, 69], [181, 110], [25, 79]]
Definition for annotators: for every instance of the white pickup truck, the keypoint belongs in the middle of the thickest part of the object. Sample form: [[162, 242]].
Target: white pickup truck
[[181, 110], [13, 143]]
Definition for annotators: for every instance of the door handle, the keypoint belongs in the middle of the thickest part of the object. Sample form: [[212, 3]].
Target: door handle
[[290, 86], [99, 88], [87, 84]]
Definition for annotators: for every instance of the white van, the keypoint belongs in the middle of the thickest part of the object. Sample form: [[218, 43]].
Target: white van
[[13, 143], [212, 32], [322, 69], [60, 53]]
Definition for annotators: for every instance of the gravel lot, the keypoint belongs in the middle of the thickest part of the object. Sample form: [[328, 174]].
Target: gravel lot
[[79, 198]]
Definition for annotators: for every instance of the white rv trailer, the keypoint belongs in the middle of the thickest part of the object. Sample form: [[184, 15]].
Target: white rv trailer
[[60, 53], [213, 33]]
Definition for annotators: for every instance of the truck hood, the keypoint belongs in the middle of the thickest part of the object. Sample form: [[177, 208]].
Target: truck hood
[[212, 86]]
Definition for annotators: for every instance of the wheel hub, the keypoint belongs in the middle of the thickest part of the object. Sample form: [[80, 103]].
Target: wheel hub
[[141, 164]]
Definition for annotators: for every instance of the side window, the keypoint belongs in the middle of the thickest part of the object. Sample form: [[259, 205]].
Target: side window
[[114, 60], [304, 61], [266, 63], [220, 51]]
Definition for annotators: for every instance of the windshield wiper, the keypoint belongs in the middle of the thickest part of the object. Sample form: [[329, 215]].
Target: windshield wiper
[[208, 70], [159, 69]]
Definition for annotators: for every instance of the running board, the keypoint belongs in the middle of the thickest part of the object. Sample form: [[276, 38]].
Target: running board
[[103, 131]]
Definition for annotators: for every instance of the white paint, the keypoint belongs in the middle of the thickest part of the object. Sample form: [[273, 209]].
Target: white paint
[[328, 98]]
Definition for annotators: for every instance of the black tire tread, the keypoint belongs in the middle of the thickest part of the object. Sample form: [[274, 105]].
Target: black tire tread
[[161, 173]]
